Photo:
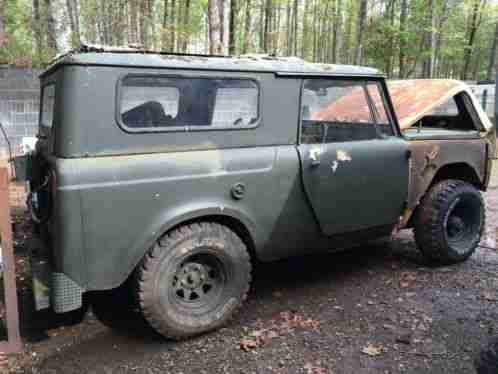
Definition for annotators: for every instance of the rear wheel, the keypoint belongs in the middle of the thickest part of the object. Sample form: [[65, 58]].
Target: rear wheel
[[450, 221], [193, 280]]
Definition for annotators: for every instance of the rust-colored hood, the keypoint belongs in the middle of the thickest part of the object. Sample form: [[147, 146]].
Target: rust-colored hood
[[413, 99]]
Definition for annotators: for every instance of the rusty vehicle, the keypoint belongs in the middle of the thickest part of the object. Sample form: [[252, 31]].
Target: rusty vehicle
[[157, 178]]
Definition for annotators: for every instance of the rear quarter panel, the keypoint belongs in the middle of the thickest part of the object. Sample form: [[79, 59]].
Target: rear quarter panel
[[128, 202], [429, 156]]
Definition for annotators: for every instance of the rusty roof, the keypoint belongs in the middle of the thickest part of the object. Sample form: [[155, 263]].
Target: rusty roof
[[133, 57]]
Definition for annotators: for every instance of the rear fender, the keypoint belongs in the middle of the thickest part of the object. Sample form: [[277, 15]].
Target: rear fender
[[171, 218]]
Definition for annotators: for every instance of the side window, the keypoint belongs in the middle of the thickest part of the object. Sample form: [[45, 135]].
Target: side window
[[148, 102], [47, 106], [341, 111]]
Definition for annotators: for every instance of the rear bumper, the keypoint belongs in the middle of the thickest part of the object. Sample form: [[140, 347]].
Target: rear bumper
[[51, 288]]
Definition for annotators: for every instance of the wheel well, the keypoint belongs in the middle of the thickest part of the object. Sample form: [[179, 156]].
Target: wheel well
[[233, 224], [461, 171]]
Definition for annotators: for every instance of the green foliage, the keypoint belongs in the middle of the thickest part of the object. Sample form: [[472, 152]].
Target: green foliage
[[383, 34], [18, 19]]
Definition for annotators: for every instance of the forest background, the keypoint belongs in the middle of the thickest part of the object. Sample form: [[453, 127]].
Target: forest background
[[403, 38]]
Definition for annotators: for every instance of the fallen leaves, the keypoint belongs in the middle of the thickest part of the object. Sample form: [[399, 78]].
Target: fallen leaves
[[373, 350], [407, 278], [284, 323], [314, 368], [489, 296]]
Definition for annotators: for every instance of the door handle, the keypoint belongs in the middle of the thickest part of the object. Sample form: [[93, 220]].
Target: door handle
[[314, 163]]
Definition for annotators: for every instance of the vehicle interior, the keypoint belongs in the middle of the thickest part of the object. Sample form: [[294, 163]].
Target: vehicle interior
[[190, 102], [456, 115]]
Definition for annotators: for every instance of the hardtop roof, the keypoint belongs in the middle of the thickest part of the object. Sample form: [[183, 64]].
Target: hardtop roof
[[130, 57]]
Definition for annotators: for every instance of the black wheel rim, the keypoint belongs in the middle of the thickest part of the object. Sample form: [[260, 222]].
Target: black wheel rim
[[199, 281], [463, 223]]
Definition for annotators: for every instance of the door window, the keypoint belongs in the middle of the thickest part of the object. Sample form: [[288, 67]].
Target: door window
[[379, 108], [342, 111]]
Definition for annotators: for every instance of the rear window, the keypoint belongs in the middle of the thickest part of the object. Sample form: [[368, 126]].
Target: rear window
[[151, 103], [47, 108]]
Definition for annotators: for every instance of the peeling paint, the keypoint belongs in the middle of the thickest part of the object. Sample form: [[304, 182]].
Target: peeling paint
[[343, 155], [315, 153]]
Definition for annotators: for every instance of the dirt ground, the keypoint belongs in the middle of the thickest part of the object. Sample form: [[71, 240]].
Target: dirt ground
[[377, 309]]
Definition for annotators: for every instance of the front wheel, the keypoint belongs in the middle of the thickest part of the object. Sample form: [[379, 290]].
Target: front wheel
[[193, 280], [450, 221]]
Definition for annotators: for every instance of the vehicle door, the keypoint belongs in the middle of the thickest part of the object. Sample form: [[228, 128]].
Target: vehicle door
[[355, 167]]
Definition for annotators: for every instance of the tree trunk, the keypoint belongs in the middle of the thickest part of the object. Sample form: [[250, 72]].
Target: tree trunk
[[439, 38], [143, 24], [186, 27], [150, 19], [493, 59], [73, 16], [233, 29], [314, 30], [288, 34], [428, 33], [402, 38], [277, 17], [304, 43], [362, 16], [266, 25], [133, 31], [225, 24], [247, 28], [214, 21], [336, 33], [172, 39], [51, 35], [104, 23], [3, 34], [390, 39], [474, 25], [295, 26], [37, 30], [165, 31], [346, 42]]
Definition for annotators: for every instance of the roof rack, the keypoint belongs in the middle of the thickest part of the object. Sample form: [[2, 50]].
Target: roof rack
[[97, 48], [86, 48]]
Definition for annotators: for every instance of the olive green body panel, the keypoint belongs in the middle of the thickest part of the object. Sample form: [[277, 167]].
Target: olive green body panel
[[87, 127], [128, 202], [347, 182]]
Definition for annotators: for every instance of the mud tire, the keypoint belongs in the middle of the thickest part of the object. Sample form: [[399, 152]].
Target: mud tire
[[209, 250], [445, 201]]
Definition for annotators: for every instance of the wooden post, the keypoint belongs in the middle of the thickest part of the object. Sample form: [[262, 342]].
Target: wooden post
[[13, 344]]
